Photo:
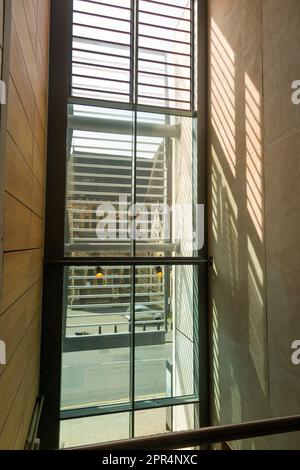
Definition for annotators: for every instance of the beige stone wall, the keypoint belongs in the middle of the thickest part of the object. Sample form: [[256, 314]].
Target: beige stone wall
[[254, 142], [282, 205]]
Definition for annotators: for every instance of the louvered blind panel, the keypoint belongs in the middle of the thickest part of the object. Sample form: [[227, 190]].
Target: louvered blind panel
[[102, 52], [165, 42]]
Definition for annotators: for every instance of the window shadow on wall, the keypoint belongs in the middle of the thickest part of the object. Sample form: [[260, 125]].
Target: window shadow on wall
[[239, 375]]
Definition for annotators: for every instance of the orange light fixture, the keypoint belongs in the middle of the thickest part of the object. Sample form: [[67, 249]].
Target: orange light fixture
[[159, 272], [100, 274]]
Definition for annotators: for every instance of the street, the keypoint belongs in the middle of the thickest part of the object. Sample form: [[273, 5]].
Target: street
[[103, 377]]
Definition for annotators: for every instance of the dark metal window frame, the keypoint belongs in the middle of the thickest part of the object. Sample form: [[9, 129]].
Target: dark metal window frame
[[55, 260]]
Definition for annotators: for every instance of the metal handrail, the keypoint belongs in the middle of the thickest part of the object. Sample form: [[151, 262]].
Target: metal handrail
[[32, 443], [128, 261], [204, 436]]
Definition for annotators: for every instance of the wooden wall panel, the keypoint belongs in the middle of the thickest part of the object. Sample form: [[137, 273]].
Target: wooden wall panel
[[23, 32], [25, 164], [18, 418], [31, 387], [1, 22], [39, 132], [38, 199], [36, 266], [39, 164], [18, 176], [17, 225], [16, 320], [12, 378], [1, 33], [20, 76], [15, 281], [37, 231], [18, 126]]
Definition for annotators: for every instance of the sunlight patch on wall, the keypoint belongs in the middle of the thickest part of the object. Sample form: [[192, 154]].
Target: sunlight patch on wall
[[223, 99], [254, 156], [216, 364]]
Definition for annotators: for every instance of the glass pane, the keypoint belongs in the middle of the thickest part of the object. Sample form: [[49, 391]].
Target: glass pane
[[94, 430], [163, 420], [96, 362], [165, 47], [166, 325], [100, 185], [99, 181], [101, 50], [169, 222], [96, 343]]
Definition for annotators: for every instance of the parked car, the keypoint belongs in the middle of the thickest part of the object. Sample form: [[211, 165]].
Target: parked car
[[143, 312]]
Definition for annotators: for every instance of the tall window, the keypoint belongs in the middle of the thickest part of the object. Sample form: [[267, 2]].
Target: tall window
[[133, 223]]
